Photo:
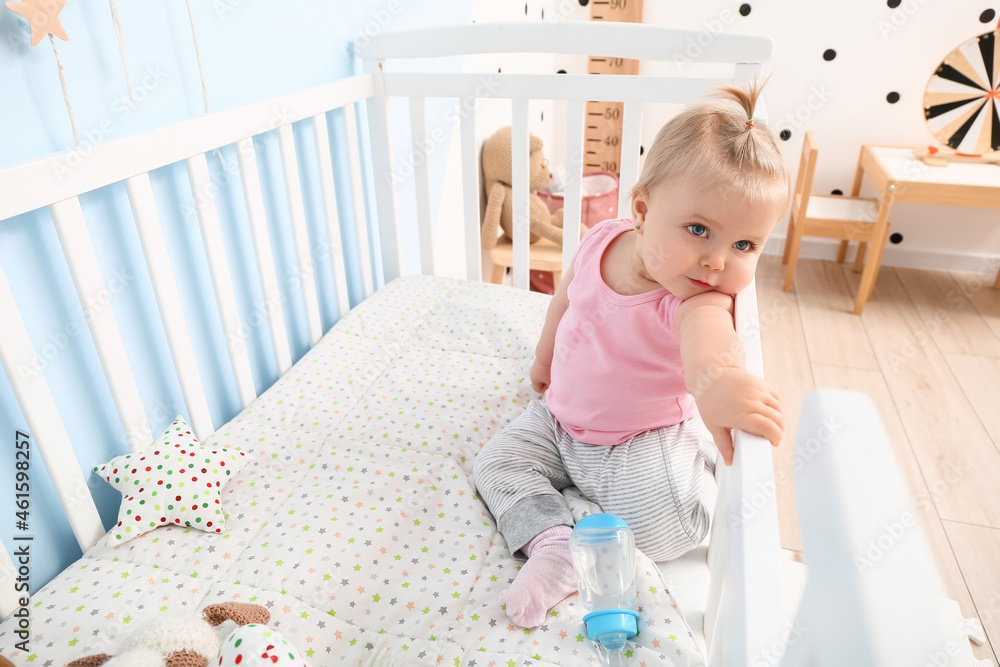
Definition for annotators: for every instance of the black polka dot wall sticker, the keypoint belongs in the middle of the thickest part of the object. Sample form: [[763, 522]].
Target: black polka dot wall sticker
[[896, 238], [584, 3], [987, 16], [893, 3], [744, 9], [526, 9], [642, 149], [892, 97], [838, 191], [829, 55], [785, 135], [562, 71]]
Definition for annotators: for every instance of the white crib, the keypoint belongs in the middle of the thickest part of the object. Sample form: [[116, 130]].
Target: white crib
[[745, 623]]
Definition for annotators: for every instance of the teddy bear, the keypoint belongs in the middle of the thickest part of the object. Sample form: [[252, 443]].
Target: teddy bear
[[190, 641], [499, 203]]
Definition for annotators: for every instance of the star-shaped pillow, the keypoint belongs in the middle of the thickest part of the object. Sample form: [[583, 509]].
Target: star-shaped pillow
[[175, 481]]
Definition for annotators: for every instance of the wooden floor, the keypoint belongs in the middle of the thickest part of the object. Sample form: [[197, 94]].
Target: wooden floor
[[927, 351]]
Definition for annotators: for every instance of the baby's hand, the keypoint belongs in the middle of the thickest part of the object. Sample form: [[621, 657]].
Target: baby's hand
[[541, 376], [736, 399]]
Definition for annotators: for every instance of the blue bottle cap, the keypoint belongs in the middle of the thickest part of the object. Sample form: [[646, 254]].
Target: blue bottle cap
[[601, 521], [605, 621]]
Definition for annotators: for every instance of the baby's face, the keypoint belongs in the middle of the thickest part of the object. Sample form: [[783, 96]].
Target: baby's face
[[696, 239]]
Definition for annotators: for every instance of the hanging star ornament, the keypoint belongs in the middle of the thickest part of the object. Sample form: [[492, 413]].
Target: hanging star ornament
[[42, 16]]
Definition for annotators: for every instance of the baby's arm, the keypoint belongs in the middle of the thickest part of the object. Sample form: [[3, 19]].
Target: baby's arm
[[541, 368], [715, 373]]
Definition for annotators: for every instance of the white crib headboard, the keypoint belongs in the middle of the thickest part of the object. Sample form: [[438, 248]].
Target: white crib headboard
[[618, 40], [745, 545]]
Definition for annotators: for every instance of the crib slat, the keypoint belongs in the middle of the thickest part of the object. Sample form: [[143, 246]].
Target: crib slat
[[330, 208], [572, 202], [358, 195], [305, 268], [519, 182], [631, 124], [250, 178], [379, 131], [470, 196], [47, 432], [422, 182], [95, 297], [154, 249], [225, 298]]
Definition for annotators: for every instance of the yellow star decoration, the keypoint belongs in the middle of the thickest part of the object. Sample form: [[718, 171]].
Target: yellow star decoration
[[43, 16]]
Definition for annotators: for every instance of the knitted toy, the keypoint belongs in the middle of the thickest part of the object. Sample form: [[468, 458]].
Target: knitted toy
[[179, 641], [499, 202]]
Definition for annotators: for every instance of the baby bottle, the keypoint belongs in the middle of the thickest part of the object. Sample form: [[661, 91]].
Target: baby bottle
[[603, 550]]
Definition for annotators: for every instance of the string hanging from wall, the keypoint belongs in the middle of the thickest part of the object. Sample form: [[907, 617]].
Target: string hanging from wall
[[43, 17], [201, 73], [121, 48]]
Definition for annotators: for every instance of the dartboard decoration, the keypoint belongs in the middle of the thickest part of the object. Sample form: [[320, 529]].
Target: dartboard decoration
[[960, 102]]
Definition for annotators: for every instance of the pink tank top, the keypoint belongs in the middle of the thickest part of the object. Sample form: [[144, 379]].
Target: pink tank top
[[616, 368]]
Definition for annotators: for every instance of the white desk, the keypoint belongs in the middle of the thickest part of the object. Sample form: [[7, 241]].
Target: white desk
[[899, 176]]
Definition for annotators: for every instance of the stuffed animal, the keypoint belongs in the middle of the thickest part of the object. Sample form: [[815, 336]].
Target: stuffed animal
[[189, 641], [499, 203]]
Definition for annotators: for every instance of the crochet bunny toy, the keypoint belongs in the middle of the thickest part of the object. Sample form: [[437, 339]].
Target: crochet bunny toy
[[190, 641]]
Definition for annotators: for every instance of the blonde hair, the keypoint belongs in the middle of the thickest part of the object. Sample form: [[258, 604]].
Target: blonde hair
[[718, 142]]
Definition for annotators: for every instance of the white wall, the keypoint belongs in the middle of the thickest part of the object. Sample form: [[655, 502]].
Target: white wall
[[879, 50]]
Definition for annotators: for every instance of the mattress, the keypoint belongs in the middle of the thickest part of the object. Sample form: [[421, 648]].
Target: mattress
[[356, 521]]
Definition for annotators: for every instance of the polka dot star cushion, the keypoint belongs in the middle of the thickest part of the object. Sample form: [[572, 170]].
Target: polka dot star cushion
[[254, 645], [175, 481]]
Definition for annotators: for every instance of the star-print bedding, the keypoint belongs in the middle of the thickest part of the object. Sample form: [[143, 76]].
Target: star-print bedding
[[356, 521]]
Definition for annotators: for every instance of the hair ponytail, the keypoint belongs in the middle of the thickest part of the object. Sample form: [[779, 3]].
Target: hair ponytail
[[720, 142]]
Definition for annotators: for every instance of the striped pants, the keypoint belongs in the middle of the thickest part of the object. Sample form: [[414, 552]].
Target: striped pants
[[661, 482]]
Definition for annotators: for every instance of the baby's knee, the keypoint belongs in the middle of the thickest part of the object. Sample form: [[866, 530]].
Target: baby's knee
[[491, 458], [670, 540]]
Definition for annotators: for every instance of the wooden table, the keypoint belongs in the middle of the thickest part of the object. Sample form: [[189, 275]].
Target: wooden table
[[899, 176]]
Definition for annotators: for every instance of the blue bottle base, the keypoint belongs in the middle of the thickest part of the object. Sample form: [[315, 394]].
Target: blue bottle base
[[609, 622]]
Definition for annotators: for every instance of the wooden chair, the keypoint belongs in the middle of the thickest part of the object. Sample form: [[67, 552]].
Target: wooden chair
[[836, 217], [543, 255]]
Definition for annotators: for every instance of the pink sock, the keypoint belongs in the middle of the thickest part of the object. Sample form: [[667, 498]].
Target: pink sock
[[544, 581]]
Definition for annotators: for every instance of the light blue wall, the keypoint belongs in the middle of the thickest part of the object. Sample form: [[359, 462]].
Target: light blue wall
[[250, 50]]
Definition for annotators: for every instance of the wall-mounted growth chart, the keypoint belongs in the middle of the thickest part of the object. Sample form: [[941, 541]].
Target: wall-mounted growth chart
[[604, 119]]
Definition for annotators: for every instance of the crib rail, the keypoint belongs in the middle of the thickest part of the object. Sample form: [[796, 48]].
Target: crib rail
[[58, 181]]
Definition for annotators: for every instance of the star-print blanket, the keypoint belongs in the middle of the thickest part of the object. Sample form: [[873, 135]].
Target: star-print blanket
[[356, 522]]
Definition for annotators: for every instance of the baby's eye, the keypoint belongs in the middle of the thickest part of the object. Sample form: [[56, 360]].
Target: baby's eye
[[698, 230], [745, 246]]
